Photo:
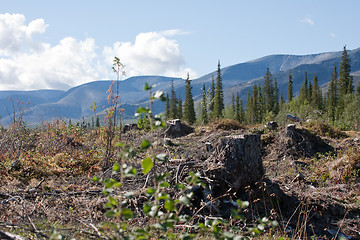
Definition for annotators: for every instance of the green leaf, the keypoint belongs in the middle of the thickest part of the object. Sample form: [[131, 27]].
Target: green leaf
[[145, 144], [116, 167], [95, 179], [127, 213], [147, 164], [111, 214], [164, 184], [150, 191], [113, 201], [142, 110], [147, 86], [169, 205]]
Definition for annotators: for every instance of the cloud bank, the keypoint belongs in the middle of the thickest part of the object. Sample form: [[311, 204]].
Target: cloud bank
[[26, 63]]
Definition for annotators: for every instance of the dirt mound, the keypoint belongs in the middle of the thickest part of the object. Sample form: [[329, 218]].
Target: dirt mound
[[296, 143]]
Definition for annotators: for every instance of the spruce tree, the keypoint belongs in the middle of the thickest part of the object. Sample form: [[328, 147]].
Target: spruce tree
[[219, 95], [173, 103], [167, 106], [242, 112], [179, 109], [304, 90], [233, 106], [212, 95], [345, 79], [316, 94], [290, 94], [282, 100], [204, 115], [237, 107], [189, 109], [276, 107], [332, 96], [268, 92]]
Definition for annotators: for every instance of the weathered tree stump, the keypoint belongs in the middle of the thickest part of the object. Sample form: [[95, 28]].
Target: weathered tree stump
[[175, 128], [235, 163]]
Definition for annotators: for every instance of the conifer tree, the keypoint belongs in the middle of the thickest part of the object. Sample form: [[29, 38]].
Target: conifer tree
[[290, 94], [212, 95], [332, 96], [233, 106], [237, 107], [242, 112], [268, 92], [167, 107], [345, 79], [204, 115], [316, 94], [303, 95], [282, 100], [179, 109], [173, 103], [276, 107], [219, 95], [189, 109]]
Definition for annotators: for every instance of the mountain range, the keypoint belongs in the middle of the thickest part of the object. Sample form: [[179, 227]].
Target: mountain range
[[43, 105]]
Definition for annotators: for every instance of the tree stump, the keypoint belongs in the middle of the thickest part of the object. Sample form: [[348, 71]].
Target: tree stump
[[175, 128], [235, 163]]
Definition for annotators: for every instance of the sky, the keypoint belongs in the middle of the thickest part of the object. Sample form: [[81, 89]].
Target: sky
[[47, 44]]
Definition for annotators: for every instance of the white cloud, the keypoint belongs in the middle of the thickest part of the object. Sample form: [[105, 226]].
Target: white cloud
[[308, 20], [16, 36], [152, 53], [27, 64], [333, 35]]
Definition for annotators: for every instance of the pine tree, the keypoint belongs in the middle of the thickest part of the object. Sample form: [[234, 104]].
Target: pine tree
[[189, 109], [276, 107], [268, 92], [316, 94], [179, 109], [219, 95], [237, 107], [345, 79], [242, 112], [332, 96], [167, 107], [212, 95], [173, 103], [282, 100], [358, 90], [304, 90], [233, 106], [204, 116], [290, 94]]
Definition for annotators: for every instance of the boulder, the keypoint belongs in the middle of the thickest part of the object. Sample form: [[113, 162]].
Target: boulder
[[235, 163]]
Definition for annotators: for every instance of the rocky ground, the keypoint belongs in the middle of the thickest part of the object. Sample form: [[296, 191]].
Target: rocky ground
[[310, 182]]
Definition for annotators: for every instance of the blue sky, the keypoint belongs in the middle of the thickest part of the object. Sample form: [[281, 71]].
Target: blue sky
[[61, 44]]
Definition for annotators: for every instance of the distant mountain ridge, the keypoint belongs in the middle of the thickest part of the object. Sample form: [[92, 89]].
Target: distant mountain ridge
[[44, 105]]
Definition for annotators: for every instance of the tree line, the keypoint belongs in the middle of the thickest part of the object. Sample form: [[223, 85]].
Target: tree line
[[338, 106]]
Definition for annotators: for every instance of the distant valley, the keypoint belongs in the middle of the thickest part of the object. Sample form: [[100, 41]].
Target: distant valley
[[43, 105]]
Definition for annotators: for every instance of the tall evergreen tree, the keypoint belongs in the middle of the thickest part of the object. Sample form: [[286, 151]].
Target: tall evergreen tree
[[332, 96], [268, 92], [219, 95], [290, 94], [179, 108], [304, 90], [173, 103], [237, 107], [167, 106], [345, 79], [204, 115], [233, 105], [282, 100], [212, 95], [276, 107], [242, 112], [189, 109], [316, 94]]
